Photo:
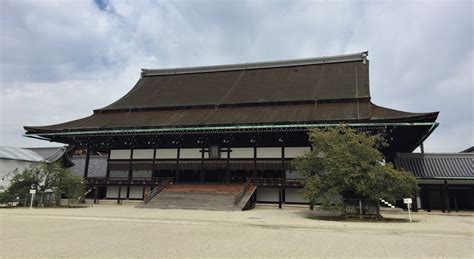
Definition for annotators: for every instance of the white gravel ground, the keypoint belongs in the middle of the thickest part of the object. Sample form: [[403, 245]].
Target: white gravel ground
[[125, 231]]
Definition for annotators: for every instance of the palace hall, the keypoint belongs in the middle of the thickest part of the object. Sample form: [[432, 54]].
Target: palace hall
[[237, 125]]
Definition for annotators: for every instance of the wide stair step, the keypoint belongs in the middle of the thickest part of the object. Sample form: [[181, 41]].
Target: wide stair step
[[199, 197]]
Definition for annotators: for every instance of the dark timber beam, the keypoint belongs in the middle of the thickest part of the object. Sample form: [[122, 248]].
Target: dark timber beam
[[153, 162], [279, 198], [443, 201], [95, 194], [201, 173], [448, 203], [254, 173], [130, 172], [176, 173], [227, 171], [107, 172], [428, 195], [86, 166], [283, 171], [119, 194]]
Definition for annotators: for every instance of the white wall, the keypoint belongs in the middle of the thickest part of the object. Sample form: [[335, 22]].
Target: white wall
[[8, 165], [293, 175], [167, 153], [135, 193], [118, 173], [192, 153], [292, 152], [141, 173], [267, 194], [241, 152], [268, 152], [294, 195], [120, 154], [112, 192], [143, 153]]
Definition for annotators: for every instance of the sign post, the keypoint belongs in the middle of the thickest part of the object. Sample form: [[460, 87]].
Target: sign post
[[408, 202], [32, 191]]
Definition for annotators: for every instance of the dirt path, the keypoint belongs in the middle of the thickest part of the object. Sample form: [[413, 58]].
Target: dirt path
[[125, 231]]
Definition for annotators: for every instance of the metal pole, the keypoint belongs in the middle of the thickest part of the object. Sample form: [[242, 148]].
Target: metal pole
[[31, 203], [409, 214]]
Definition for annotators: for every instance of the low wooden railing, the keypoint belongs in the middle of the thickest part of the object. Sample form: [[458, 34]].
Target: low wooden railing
[[156, 191], [242, 192], [276, 182], [140, 181]]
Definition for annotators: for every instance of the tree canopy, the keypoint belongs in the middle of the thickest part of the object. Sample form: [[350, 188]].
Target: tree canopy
[[348, 163], [45, 176]]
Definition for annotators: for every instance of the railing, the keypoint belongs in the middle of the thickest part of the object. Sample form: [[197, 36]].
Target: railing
[[361, 208], [156, 191], [242, 192], [276, 182], [141, 181]]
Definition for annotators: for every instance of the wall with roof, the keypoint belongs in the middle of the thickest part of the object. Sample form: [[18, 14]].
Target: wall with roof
[[97, 166], [9, 165]]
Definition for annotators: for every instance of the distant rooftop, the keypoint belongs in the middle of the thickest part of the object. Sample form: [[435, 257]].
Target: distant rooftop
[[437, 165], [360, 56], [15, 153]]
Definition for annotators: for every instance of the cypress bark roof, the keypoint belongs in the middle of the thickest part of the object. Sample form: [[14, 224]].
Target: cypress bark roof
[[437, 166], [328, 89]]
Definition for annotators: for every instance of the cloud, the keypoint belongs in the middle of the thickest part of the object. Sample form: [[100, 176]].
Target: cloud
[[60, 60]]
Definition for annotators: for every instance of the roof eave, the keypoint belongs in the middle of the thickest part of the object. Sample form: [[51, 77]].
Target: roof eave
[[360, 56]]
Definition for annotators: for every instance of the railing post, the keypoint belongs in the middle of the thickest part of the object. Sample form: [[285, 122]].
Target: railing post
[[279, 198], [86, 165], [95, 195]]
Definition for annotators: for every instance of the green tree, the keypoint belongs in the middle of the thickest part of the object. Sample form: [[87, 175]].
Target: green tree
[[46, 176], [348, 163]]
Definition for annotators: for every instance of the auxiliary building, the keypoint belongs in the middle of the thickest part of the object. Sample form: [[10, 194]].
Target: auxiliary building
[[231, 124]]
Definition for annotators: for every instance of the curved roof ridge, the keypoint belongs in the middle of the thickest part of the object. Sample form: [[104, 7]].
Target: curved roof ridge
[[16, 153], [258, 65]]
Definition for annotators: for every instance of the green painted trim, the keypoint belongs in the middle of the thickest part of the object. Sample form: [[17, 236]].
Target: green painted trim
[[243, 127], [446, 178]]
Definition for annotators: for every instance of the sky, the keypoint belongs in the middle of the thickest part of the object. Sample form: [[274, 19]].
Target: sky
[[59, 60]]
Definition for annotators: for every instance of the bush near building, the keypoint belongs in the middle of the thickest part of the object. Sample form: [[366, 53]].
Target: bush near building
[[348, 164], [44, 178]]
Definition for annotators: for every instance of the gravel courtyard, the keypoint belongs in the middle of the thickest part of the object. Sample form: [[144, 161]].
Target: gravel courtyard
[[125, 231]]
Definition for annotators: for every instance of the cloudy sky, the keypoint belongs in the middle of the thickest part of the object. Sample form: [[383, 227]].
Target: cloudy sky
[[59, 60]]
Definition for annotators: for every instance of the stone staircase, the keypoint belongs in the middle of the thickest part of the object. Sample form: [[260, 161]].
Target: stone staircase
[[386, 203], [199, 197], [244, 203]]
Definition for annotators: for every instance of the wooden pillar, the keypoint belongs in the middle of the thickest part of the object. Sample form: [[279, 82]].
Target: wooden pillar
[[153, 164], [130, 173], [107, 172], [428, 197], [471, 198], [279, 198], [448, 203], [227, 172], [201, 173], [176, 178], [86, 166], [283, 171], [443, 201], [254, 173], [119, 194], [95, 194], [415, 202], [455, 203]]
